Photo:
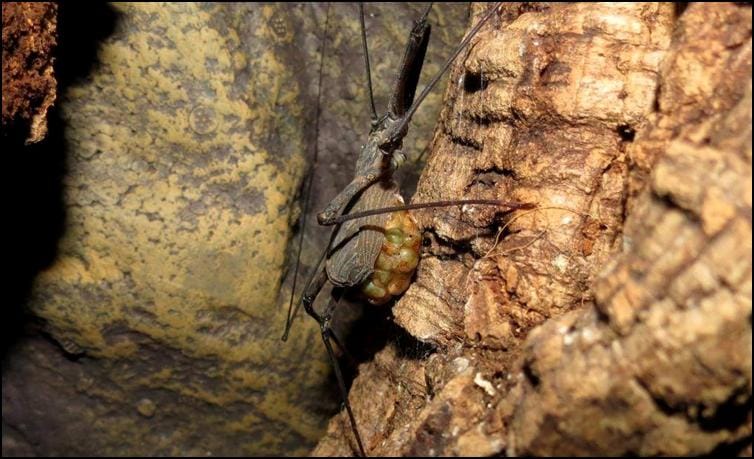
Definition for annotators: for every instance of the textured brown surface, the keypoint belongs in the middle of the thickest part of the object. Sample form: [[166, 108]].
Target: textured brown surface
[[29, 85], [616, 318]]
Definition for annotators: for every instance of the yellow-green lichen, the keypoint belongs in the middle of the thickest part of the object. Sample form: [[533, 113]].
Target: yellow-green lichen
[[185, 146], [177, 221]]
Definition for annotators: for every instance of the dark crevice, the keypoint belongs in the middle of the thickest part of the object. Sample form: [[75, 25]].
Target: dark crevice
[[680, 8], [80, 37], [736, 448], [371, 332], [530, 7], [449, 249], [465, 142], [670, 202], [474, 82], [656, 101], [483, 120], [364, 329], [729, 415], [626, 133], [411, 348], [529, 373]]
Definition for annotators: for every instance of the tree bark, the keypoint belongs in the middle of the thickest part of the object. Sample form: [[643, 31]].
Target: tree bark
[[29, 83], [615, 317]]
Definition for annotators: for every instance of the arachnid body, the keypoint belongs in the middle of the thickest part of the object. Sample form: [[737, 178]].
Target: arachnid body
[[375, 242]]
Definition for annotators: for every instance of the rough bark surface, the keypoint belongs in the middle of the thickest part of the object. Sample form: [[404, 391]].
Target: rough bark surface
[[616, 317], [29, 84]]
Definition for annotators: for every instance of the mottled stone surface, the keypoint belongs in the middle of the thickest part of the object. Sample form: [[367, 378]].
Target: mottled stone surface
[[156, 327], [178, 208]]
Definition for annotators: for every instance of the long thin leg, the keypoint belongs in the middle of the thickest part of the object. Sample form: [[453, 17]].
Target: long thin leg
[[433, 82], [340, 201], [411, 67], [366, 61], [510, 205], [346, 353], [319, 276], [327, 334], [343, 391], [312, 290], [309, 181]]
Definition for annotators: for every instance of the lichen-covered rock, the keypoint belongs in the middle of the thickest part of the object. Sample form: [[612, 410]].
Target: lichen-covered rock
[[185, 146]]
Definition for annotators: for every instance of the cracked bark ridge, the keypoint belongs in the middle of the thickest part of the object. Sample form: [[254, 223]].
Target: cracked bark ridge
[[621, 325], [29, 84], [664, 361]]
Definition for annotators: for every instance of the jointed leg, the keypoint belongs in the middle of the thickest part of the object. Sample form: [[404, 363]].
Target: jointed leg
[[366, 62], [508, 205], [417, 102], [336, 206], [342, 385], [320, 277], [411, 67], [308, 185], [338, 342], [327, 334]]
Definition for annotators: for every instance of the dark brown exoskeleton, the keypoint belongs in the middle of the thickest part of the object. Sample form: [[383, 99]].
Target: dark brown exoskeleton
[[368, 228]]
